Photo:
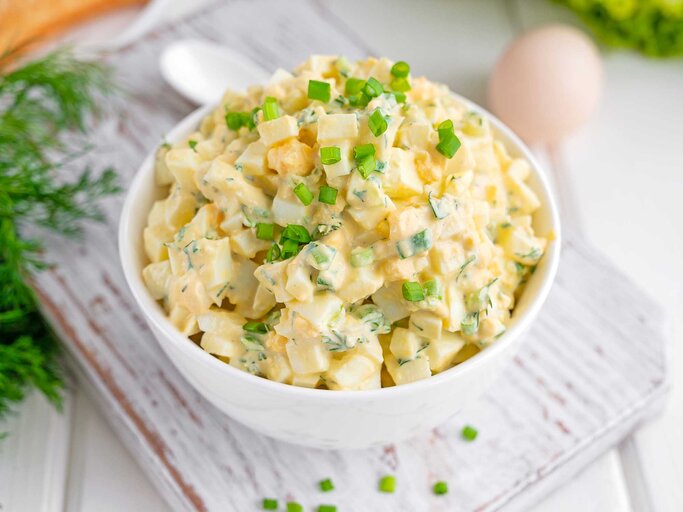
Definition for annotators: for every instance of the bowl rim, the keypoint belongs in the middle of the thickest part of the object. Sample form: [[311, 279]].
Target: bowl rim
[[153, 312]]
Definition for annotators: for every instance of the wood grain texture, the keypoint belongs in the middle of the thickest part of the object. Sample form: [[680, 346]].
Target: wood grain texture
[[593, 366]]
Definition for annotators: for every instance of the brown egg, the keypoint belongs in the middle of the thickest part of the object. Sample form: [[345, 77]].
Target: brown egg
[[547, 83]]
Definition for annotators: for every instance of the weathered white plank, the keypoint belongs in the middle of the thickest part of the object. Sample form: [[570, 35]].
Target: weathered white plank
[[34, 457], [591, 369]]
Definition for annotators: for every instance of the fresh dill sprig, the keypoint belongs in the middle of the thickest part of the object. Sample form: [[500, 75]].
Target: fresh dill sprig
[[41, 103]]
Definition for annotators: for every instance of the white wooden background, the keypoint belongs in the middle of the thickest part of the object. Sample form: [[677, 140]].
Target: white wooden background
[[627, 173]]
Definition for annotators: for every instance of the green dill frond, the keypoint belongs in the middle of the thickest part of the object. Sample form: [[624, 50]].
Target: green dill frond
[[41, 103]]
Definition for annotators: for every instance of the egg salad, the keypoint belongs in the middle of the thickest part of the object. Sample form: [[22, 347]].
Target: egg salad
[[346, 226]]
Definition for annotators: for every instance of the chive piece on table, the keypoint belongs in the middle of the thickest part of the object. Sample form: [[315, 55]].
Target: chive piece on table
[[387, 484], [327, 195], [303, 193], [412, 291], [326, 485], [330, 155], [293, 506], [469, 433], [440, 488], [269, 504], [318, 90], [327, 508], [264, 231]]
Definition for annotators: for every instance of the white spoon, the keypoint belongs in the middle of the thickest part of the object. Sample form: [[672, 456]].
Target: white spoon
[[202, 71]]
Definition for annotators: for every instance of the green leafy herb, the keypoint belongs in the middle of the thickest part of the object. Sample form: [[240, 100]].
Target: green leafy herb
[[39, 102]]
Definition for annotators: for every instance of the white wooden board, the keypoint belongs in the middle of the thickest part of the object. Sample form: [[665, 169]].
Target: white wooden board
[[593, 367]]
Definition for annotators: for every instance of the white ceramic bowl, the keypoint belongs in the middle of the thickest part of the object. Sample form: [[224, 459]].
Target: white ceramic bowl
[[323, 418]]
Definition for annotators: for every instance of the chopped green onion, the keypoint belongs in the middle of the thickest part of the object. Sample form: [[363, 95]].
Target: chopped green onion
[[417, 243], [273, 253], [440, 488], [257, 327], [264, 231], [373, 88], [377, 122], [234, 120], [297, 233], [387, 484], [303, 193], [400, 96], [293, 506], [469, 433], [354, 86], [271, 110], [327, 195], [401, 69], [433, 288], [290, 248], [360, 152], [326, 485], [366, 166], [327, 508], [359, 100], [318, 90], [330, 155], [192, 144], [412, 291], [269, 504], [249, 118], [362, 257], [400, 84], [470, 324], [445, 127], [437, 207], [448, 144]]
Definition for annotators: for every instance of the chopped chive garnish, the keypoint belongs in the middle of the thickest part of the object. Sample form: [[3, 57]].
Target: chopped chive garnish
[[192, 144], [327, 508], [362, 151], [234, 120], [296, 232], [271, 110], [470, 324], [469, 433], [273, 253], [373, 88], [293, 506], [377, 122], [330, 155], [269, 504], [366, 166], [412, 291], [362, 257], [448, 144], [326, 485], [440, 488], [400, 84], [318, 90], [327, 195], [359, 100], [354, 86], [445, 127], [432, 288], [264, 231], [303, 193], [290, 248], [387, 484], [400, 96], [401, 69], [257, 327]]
